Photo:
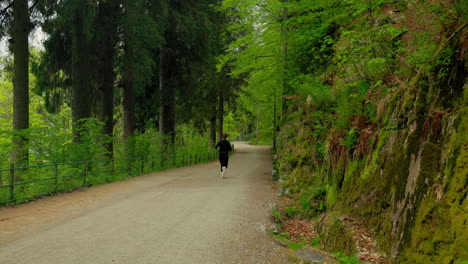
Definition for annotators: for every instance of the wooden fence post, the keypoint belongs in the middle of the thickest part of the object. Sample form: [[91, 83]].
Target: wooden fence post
[[85, 170], [161, 160], [113, 167], [12, 181], [142, 165], [55, 175], [129, 167]]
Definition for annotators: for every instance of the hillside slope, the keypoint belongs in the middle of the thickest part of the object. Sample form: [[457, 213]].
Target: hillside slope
[[385, 140]]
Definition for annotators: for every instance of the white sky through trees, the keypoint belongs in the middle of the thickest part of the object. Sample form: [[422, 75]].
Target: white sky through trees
[[36, 38]]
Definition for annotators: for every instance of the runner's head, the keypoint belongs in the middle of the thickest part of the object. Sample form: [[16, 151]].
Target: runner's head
[[224, 136]]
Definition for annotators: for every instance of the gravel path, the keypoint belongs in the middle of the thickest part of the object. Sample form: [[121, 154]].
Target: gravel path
[[186, 215]]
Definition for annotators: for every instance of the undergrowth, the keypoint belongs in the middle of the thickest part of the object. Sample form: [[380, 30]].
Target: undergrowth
[[391, 98], [346, 259], [59, 164]]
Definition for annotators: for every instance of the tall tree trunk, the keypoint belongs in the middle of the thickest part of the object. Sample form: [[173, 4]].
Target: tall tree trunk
[[220, 113], [81, 106], [20, 80], [167, 88], [128, 95], [107, 42], [213, 130], [128, 75]]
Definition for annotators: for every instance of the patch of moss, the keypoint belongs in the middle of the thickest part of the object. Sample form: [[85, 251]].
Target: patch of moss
[[332, 196], [382, 226], [433, 220], [376, 159], [440, 228], [336, 236], [350, 170], [395, 168], [372, 167]]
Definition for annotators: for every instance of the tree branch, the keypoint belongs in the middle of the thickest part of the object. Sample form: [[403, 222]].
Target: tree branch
[[5, 10]]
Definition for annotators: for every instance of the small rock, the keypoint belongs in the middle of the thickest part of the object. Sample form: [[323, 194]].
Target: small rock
[[273, 229], [281, 190], [343, 218], [262, 228], [309, 256], [274, 172]]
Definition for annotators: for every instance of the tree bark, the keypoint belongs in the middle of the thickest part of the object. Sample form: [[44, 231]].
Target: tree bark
[[128, 95], [20, 80], [107, 42], [167, 88], [81, 106], [213, 130], [220, 112], [128, 76]]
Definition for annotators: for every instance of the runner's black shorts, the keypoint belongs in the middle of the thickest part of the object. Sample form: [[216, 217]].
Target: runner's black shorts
[[224, 159]]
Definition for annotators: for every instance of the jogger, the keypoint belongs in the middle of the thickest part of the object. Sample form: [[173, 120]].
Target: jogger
[[224, 148]]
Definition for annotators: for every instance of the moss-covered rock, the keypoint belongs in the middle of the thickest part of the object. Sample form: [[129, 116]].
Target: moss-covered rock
[[335, 235], [409, 185]]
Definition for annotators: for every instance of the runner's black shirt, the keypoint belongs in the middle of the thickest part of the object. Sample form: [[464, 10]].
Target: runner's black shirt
[[224, 146]]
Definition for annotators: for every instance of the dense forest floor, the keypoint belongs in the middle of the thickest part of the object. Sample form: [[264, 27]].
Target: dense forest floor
[[185, 215]]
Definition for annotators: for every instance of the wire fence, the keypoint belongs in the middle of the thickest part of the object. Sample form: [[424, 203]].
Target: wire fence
[[21, 184]]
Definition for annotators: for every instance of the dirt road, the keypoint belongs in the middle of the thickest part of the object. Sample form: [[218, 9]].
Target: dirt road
[[186, 215]]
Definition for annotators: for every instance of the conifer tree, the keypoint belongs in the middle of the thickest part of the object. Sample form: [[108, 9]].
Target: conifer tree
[[82, 16], [129, 7], [106, 42], [20, 47]]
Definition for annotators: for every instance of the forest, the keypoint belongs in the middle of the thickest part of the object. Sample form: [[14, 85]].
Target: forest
[[111, 84], [363, 102]]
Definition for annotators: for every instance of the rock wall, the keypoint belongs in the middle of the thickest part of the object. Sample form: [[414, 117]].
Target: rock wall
[[405, 176]]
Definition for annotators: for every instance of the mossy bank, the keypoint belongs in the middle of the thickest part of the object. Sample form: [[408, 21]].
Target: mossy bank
[[386, 136]]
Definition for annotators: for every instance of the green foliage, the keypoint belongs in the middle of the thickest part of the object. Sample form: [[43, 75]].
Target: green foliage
[[346, 259], [292, 212], [312, 34], [313, 89], [350, 139], [310, 203], [50, 141], [277, 216], [253, 55], [423, 55], [143, 35], [87, 163], [316, 242], [369, 77], [350, 103], [285, 240]]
